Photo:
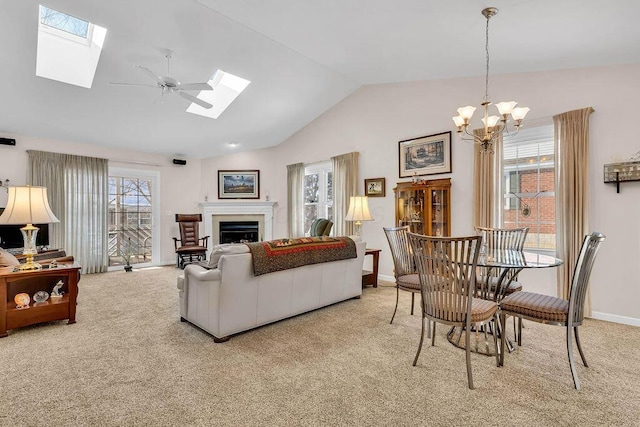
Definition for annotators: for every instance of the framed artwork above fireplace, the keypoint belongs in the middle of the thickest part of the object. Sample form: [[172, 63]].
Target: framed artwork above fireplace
[[238, 184]]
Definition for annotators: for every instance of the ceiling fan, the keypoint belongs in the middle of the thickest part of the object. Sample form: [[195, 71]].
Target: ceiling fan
[[171, 85]]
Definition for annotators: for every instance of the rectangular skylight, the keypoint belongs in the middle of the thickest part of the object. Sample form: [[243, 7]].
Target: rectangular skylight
[[68, 48], [226, 88], [64, 22]]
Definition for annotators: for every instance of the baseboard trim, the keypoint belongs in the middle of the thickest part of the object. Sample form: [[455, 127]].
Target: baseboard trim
[[167, 263], [632, 321], [386, 278], [615, 318]]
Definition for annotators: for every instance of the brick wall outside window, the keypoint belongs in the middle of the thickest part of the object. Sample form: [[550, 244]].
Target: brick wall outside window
[[542, 209]]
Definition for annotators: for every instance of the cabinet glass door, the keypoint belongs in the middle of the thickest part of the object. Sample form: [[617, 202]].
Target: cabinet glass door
[[410, 210], [439, 225]]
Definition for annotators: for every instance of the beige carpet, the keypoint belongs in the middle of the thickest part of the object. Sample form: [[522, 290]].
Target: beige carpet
[[129, 361]]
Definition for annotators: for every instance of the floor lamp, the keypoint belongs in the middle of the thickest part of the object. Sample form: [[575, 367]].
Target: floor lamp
[[358, 211], [28, 205]]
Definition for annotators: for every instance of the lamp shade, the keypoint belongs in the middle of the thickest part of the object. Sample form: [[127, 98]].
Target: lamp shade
[[359, 209], [27, 205]]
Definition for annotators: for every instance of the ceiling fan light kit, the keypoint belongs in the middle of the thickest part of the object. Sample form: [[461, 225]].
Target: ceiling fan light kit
[[169, 84]]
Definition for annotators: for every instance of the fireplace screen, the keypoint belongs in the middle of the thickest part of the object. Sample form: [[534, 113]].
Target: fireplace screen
[[238, 231]]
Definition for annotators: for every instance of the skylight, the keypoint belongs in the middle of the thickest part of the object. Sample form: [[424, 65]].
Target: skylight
[[226, 88], [68, 48], [64, 22]]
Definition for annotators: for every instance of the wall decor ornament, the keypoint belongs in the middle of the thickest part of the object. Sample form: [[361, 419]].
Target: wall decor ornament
[[623, 171], [374, 187], [426, 155], [238, 184]]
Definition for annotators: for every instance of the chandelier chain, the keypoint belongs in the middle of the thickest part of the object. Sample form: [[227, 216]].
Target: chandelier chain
[[486, 48]]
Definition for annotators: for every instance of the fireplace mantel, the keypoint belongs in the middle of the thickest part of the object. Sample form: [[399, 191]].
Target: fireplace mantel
[[236, 207]]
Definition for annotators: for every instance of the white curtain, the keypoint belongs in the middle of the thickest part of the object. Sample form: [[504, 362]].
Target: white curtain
[[571, 133], [295, 199], [77, 188], [345, 185]]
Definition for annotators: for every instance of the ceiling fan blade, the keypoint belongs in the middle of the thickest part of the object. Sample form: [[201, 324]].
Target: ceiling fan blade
[[151, 73], [195, 100], [195, 86], [131, 84]]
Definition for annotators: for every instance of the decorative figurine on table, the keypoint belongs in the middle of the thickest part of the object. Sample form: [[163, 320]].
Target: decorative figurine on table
[[22, 300], [56, 292], [53, 264], [40, 296]]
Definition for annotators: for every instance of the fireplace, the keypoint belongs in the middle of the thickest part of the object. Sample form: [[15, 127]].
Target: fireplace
[[215, 213], [239, 231]]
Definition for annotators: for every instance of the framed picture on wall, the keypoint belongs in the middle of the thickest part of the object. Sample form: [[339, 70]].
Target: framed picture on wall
[[374, 187], [426, 155], [238, 184]]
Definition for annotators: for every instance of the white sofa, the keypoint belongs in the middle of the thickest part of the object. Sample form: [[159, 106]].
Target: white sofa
[[230, 299]]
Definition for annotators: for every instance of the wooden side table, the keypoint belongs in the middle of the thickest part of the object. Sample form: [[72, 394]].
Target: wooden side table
[[371, 277], [60, 308], [48, 254]]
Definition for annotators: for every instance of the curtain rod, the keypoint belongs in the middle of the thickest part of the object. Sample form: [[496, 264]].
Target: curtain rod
[[136, 162]]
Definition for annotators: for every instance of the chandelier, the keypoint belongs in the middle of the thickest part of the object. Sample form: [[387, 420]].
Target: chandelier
[[494, 126]]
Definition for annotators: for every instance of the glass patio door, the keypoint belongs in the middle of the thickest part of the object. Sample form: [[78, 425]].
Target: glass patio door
[[131, 217]]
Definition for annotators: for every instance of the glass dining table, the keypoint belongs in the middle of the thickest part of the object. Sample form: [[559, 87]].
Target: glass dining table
[[503, 265]]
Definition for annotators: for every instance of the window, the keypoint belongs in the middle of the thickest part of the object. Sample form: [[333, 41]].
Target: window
[[318, 193], [131, 213], [69, 48], [529, 186], [62, 21], [226, 88]]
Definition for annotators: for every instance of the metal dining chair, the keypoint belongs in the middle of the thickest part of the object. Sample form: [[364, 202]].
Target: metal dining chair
[[502, 239], [403, 266], [558, 311], [447, 273]]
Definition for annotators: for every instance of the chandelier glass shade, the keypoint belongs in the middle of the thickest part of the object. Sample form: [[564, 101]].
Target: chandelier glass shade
[[493, 126]]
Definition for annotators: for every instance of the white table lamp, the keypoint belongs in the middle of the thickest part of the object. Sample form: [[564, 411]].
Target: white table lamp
[[358, 211], [28, 205]]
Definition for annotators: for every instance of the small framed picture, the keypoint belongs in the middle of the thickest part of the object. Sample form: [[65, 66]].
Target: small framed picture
[[426, 155], [374, 187], [238, 184]]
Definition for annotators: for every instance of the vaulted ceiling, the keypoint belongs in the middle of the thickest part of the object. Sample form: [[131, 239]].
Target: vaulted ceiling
[[301, 57]]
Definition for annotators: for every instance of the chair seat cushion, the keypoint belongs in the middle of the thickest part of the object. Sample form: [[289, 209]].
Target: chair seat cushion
[[537, 306], [481, 310], [409, 282], [190, 249]]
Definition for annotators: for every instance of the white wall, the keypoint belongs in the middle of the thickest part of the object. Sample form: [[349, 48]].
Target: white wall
[[179, 185], [374, 118]]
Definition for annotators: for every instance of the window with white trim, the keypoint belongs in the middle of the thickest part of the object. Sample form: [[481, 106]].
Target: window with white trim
[[529, 186], [318, 193]]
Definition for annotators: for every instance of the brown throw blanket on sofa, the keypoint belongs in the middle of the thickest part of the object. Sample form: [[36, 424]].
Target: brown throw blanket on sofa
[[276, 255]]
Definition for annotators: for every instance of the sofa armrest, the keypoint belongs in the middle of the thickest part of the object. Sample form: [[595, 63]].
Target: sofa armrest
[[201, 273]]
